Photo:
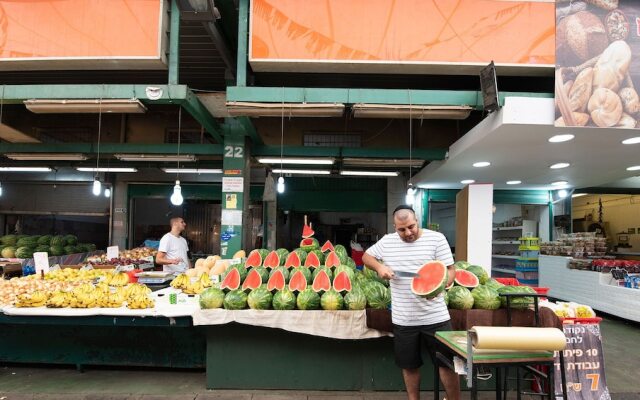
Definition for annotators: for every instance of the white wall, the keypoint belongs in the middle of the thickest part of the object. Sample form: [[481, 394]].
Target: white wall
[[620, 211]]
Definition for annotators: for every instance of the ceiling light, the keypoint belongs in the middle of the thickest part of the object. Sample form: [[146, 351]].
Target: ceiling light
[[382, 162], [562, 193], [559, 165], [84, 106], [239, 108], [467, 181], [481, 164], [156, 157], [363, 110], [633, 140], [280, 185], [47, 156], [107, 192], [110, 169], [578, 195], [308, 161], [561, 138], [176, 198], [559, 183], [514, 182], [192, 170], [302, 171], [97, 187], [634, 168], [25, 169], [369, 173]]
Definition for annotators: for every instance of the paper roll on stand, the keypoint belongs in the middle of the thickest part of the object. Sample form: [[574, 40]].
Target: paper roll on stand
[[517, 338]]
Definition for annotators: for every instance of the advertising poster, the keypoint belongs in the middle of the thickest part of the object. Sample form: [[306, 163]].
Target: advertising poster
[[597, 63]]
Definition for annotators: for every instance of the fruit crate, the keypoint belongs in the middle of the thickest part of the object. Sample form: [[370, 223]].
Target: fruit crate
[[526, 274]]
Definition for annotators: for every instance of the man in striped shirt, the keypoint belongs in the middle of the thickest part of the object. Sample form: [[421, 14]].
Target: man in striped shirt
[[415, 319]]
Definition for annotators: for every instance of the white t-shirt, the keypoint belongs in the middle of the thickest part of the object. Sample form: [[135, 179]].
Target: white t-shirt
[[407, 308], [174, 247]]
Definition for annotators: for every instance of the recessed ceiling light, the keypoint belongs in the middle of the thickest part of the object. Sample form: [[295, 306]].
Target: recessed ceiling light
[[561, 138], [633, 140], [467, 181], [578, 195], [562, 193], [514, 182], [560, 165], [481, 164], [559, 183], [634, 168]]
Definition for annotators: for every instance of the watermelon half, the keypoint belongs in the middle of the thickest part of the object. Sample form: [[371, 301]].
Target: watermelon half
[[254, 259], [277, 280], [252, 281], [293, 260], [327, 247], [431, 280], [298, 281], [309, 244], [321, 283], [272, 260], [342, 282], [232, 280], [332, 260], [312, 261], [466, 279]]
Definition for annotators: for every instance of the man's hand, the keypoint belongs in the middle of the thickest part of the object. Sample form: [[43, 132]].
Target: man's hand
[[385, 272], [175, 260], [382, 270]]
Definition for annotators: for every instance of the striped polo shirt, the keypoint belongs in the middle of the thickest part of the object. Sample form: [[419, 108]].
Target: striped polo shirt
[[407, 308]]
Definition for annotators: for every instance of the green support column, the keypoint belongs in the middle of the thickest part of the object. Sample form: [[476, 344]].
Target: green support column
[[235, 188], [174, 43], [425, 207], [243, 43]]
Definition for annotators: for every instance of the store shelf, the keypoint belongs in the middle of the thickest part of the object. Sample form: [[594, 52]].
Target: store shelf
[[506, 242], [505, 256], [503, 270], [507, 228]]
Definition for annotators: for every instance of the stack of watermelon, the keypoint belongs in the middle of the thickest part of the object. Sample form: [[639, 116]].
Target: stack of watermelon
[[23, 246]]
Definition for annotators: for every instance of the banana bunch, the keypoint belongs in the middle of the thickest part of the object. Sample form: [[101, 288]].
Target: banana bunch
[[111, 300], [82, 299], [103, 288], [34, 299], [136, 289], [193, 288], [205, 281], [71, 275], [59, 299], [140, 301], [180, 282], [119, 279]]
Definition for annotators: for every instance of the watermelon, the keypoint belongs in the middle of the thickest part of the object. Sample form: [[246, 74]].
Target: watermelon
[[252, 281], [327, 247], [461, 264], [46, 239], [8, 252], [308, 300], [260, 299], [211, 298], [325, 269], [285, 273], [232, 280], [342, 282], [331, 300], [235, 300], [349, 271], [350, 263], [272, 260], [71, 239], [332, 260], [321, 282], [319, 254], [373, 275], [494, 284], [355, 300], [341, 251], [312, 260], [460, 298], [309, 244], [466, 278], [56, 250], [42, 248], [70, 250], [302, 254], [277, 280], [431, 280], [24, 252], [480, 272], [307, 231], [293, 260], [27, 242], [284, 300], [58, 240], [378, 296], [518, 301], [305, 271], [446, 298], [485, 298], [9, 240], [254, 259], [283, 254], [297, 281]]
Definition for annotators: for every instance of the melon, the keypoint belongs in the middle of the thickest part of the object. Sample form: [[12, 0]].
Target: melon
[[272, 260], [276, 281], [466, 279], [211, 298], [235, 300], [284, 300], [431, 279], [341, 251], [309, 244], [199, 263], [297, 282], [307, 231], [312, 261], [308, 300], [252, 281], [8, 252], [232, 280], [461, 264], [259, 299], [302, 254], [239, 254], [321, 283], [480, 272], [331, 300], [355, 300], [460, 298], [378, 296], [332, 260], [264, 273], [55, 250], [283, 254], [342, 282], [305, 271], [46, 239], [323, 268], [327, 247], [58, 240], [485, 298], [285, 273], [293, 260], [254, 259], [219, 268], [349, 271]]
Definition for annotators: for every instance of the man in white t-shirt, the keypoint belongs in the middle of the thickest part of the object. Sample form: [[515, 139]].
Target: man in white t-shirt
[[415, 319], [173, 248]]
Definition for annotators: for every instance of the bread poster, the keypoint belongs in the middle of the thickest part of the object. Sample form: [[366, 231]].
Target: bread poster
[[598, 63]]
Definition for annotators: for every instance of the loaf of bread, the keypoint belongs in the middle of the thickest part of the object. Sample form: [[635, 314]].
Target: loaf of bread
[[630, 100], [605, 107], [626, 121], [581, 90], [612, 66], [580, 37], [580, 119]]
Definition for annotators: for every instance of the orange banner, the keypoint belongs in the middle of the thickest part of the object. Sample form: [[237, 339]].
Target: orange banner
[[80, 29], [402, 31]]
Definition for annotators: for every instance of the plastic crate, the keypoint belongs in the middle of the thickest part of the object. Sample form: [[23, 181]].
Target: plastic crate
[[527, 264], [357, 256], [529, 241], [508, 281], [524, 276], [529, 255], [529, 282]]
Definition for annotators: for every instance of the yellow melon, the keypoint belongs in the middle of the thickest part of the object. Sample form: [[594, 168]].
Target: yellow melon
[[191, 272], [219, 268], [201, 270], [239, 254], [199, 262], [208, 264]]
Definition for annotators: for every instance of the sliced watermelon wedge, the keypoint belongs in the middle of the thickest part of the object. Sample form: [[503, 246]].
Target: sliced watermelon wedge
[[272, 260], [312, 261], [327, 247], [342, 282], [252, 281], [307, 231], [466, 279], [298, 282], [231, 281], [321, 283], [332, 260], [276, 281], [431, 280], [293, 260], [254, 259]]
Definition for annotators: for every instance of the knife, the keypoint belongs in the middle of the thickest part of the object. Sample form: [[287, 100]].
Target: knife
[[404, 274]]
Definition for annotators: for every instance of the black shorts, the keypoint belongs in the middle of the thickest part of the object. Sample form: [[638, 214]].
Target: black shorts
[[409, 341]]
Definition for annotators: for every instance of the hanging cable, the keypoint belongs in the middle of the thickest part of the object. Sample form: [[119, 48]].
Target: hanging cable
[[280, 185], [176, 198], [97, 185]]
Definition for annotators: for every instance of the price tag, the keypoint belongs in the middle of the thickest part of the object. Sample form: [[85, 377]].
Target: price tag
[[55, 267], [112, 252], [86, 267], [125, 268], [41, 259], [215, 278], [235, 261]]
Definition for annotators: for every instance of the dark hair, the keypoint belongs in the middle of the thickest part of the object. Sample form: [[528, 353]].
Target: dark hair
[[403, 207]]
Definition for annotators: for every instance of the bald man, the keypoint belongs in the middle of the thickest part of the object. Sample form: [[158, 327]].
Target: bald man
[[173, 248], [415, 319]]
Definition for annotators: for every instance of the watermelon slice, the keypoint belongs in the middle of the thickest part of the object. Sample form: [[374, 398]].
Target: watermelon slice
[[254, 259], [276, 281], [321, 283], [298, 282], [332, 260], [309, 244], [293, 260], [312, 261], [326, 247], [232, 280], [431, 280], [466, 279], [342, 282], [252, 281], [307, 231], [272, 260]]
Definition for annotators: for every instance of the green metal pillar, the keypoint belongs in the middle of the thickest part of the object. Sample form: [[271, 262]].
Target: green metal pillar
[[174, 43], [243, 43], [425, 208]]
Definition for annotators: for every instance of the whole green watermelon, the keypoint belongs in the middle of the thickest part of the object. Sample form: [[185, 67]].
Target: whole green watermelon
[[350, 263], [264, 273], [332, 300], [341, 252], [485, 298], [58, 240], [9, 240], [70, 250], [71, 239], [461, 264], [284, 300], [235, 300], [24, 252], [308, 300], [46, 239], [373, 275], [56, 250], [283, 254], [521, 302], [211, 298], [446, 298], [378, 296], [301, 254], [285, 272], [480, 272], [28, 241], [260, 299], [460, 298], [350, 272], [494, 284], [322, 268], [319, 254], [8, 252], [355, 299], [305, 271], [42, 248]]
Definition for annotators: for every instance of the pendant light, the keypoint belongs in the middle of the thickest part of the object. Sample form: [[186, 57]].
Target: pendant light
[[176, 198], [97, 185], [107, 192], [411, 191], [280, 185], [1, 107]]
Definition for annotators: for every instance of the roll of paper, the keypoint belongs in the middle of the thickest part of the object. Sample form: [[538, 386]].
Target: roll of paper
[[517, 338]]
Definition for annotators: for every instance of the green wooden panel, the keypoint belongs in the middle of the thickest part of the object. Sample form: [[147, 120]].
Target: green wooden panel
[[499, 196], [189, 191]]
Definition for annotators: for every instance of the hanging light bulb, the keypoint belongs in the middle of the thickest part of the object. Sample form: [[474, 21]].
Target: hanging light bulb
[[107, 192], [176, 197], [411, 192], [97, 187], [0, 189], [280, 185]]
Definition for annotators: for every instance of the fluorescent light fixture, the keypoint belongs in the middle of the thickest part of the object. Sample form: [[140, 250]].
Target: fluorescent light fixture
[[578, 195], [559, 165], [481, 164], [514, 182], [47, 156], [559, 183], [109, 169], [634, 168], [633, 140], [302, 171], [467, 181], [561, 138], [240, 108], [364, 110], [369, 173], [156, 157], [562, 193], [382, 162], [85, 106], [25, 169], [192, 170], [308, 161]]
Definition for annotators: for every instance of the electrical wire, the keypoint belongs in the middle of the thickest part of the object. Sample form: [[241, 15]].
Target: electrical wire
[[179, 131], [282, 133]]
